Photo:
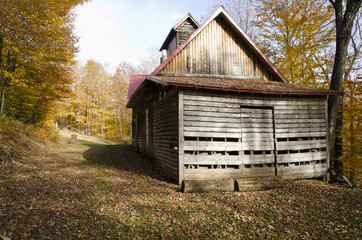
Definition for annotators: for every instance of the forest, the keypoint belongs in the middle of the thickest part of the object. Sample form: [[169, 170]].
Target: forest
[[42, 84], [99, 187]]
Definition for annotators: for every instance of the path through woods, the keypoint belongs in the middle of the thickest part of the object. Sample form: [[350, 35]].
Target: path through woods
[[94, 191]]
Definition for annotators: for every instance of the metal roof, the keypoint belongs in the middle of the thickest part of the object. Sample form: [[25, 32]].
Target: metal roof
[[134, 82]]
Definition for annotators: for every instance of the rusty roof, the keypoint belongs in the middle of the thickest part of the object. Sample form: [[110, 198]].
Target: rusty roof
[[247, 85]]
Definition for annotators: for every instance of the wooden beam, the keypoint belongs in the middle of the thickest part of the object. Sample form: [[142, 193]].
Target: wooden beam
[[224, 185]]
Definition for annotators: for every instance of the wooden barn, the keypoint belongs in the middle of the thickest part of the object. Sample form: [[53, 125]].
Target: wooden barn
[[217, 110]]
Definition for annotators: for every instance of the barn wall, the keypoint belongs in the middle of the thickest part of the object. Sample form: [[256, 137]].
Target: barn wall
[[234, 136], [217, 50], [138, 128], [165, 133]]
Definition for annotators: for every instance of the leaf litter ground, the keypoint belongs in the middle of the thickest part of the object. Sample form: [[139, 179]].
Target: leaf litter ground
[[92, 191]]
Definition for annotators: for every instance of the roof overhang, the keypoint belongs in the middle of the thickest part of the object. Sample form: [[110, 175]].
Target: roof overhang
[[252, 86], [242, 85]]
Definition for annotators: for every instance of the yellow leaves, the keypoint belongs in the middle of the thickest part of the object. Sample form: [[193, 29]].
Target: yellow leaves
[[300, 34]]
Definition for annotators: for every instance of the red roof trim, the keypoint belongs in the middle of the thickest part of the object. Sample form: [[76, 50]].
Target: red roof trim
[[220, 10]]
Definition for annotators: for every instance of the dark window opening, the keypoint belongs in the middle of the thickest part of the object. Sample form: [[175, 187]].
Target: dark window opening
[[247, 152], [233, 166], [257, 152], [282, 139], [283, 152], [219, 139], [232, 139], [190, 152], [293, 151], [205, 139], [190, 138], [233, 153]]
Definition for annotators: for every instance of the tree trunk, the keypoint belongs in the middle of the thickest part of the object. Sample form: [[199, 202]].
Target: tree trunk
[[338, 142], [3, 93], [5, 83], [344, 24]]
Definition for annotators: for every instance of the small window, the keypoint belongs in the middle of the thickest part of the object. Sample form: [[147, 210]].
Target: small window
[[190, 138], [237, 69], [205, 139], [219, 139], [232, 139], [233, 166], [233, 153]]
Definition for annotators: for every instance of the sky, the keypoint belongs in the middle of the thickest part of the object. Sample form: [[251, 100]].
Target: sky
[[113, 31]]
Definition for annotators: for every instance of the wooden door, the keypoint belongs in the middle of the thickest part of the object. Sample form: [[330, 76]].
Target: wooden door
[[258, 141]]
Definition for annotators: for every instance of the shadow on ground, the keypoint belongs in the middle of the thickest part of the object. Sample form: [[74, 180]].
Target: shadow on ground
[[123, 157]]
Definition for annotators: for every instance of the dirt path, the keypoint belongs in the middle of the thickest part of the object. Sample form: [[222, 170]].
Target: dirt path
[[90, 191], [67, 134]]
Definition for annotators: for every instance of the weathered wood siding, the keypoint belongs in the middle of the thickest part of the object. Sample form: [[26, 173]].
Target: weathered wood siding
[[236, 136], [180, 35], [184, 31], [138, 128], [217, 50], [165, 133]]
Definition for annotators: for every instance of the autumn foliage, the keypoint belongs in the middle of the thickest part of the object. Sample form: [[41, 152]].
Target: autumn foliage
[[97, 105], [37, 47]]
